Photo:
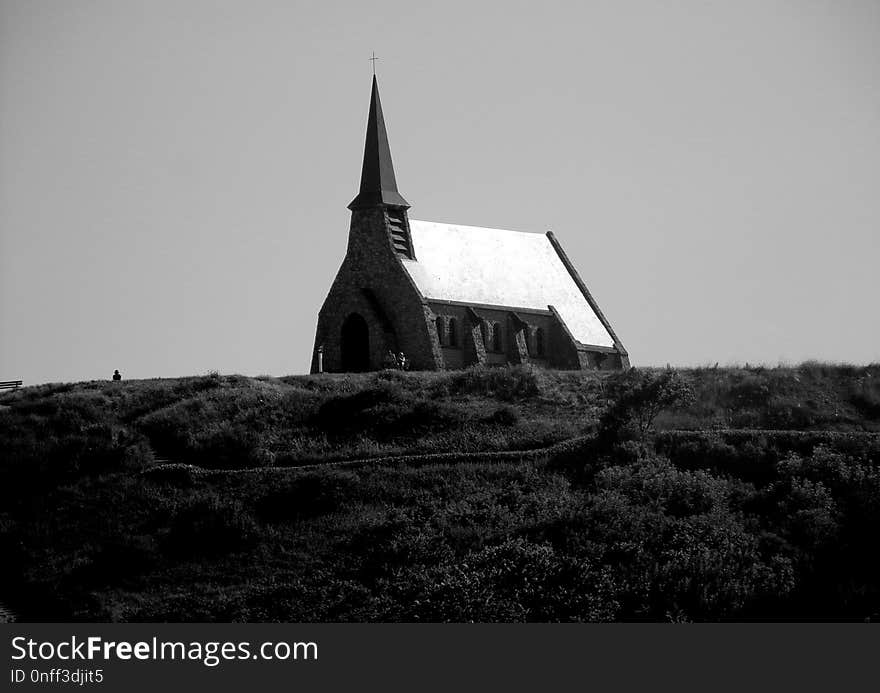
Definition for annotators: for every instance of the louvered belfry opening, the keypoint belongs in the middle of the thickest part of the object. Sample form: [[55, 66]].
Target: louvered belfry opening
[[398, 225]]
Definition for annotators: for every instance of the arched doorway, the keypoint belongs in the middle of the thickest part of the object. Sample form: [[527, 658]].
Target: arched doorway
[[355, 344]]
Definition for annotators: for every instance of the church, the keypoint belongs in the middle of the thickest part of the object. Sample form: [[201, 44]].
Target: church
[[450, 296]]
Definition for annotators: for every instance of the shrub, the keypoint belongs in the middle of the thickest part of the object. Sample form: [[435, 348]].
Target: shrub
[[336, 411], [517, 580], [637, 397], [804, 512], [865, 396], [790, 413], [384, 411], [677, 544], [508, 383], [504, 416], [316, 493], [676, 492], [749, 391]]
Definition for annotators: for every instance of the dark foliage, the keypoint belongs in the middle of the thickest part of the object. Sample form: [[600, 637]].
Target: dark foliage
[[384, 412], [506, 416], [511, 383], [309, 495], [636, 398], [209, 527], [635, 524]]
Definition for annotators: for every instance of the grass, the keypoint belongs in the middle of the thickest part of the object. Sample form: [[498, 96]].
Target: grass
[[718, 514]]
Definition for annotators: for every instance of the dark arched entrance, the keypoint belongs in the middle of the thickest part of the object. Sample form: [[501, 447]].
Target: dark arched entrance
[[355, 344]]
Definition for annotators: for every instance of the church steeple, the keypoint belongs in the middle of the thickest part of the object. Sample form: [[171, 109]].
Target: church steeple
[[378, 186]]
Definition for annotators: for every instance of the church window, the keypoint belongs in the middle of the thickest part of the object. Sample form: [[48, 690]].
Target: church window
[[496, 337], [539, 342], [486, 329], [451, 336], [441, 333]]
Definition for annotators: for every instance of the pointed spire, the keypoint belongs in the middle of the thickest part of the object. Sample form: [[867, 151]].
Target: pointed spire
[[378, 186]]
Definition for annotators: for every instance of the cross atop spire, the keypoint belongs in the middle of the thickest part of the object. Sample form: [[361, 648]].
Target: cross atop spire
[[373, 60], [378, 186]]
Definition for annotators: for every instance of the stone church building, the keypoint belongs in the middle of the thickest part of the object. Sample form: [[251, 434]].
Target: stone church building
[[451, 296]]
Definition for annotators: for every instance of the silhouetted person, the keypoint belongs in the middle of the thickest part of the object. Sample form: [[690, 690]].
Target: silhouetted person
[[116, 375], [390, 360], [401, 361]]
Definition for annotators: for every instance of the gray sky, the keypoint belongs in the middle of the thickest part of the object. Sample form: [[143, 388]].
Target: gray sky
[[174, 175]]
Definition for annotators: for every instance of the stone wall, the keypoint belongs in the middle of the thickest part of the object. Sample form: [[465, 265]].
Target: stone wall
[[524, 336], [373, 282]]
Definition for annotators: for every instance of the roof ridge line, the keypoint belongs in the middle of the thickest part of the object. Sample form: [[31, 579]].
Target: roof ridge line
[[480, 228]]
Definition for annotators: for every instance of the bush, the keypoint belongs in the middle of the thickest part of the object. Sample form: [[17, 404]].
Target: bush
[[677, 544], [749, 391], [316, 493], [503, 416], [508, 383], [637, 397], [803, 512], [517, 580], [348, 411], [677, 493], [865, 396], [384, 411]]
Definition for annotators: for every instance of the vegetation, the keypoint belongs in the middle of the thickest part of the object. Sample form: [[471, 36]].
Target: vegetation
[[703, 494]]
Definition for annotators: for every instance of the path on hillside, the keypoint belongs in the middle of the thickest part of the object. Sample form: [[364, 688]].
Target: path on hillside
[[426, 458], [164, 464]]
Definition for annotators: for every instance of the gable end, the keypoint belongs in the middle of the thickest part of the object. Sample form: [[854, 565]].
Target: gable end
[[618, 345]]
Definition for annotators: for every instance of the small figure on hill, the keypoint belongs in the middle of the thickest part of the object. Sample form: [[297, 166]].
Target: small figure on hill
[[116, 375], [401, 361], [390, 360]]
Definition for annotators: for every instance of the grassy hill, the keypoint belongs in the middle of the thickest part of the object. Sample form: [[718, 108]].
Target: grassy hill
[[486, 495]]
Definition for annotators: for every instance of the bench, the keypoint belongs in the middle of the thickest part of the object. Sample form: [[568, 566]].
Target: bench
[[10, 384]]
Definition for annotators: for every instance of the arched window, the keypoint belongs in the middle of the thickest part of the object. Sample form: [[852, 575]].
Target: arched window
[[539, 342], [451, 336], [441, 333], [486, 329], [496, 337]]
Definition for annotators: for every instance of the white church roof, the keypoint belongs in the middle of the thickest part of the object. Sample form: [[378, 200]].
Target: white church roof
[[500, 268]]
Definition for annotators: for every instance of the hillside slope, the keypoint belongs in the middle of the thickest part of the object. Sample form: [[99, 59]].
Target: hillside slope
[[759, 499]]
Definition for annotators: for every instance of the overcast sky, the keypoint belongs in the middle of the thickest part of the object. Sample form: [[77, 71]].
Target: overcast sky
[[174, 175]]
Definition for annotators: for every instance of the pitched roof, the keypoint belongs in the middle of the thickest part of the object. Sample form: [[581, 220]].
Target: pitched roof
[[378, 185], [501, 268]]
